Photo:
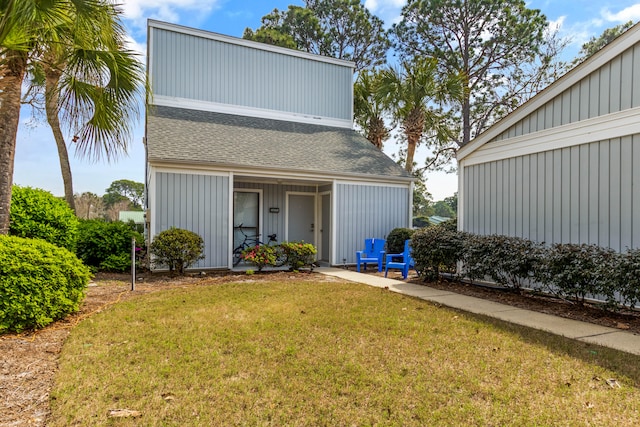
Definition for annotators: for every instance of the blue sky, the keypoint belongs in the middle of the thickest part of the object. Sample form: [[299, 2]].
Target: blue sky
[[36, 162]]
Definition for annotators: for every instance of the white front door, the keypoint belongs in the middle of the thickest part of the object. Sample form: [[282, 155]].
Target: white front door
[[301, 217]]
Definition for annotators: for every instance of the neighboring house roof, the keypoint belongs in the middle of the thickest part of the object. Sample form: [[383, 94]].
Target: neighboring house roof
[[201, 137], [135, 216], [435, 219], [626, 40]]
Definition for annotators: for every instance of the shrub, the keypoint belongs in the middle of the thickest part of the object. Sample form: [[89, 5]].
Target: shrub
[[437, 249], [39, 283], [177, 249], [260, 256], [106, 245], [577, 271], [396, 239], [421, 221], [38, 214], [627, 278], [298, 254], [508, 261]]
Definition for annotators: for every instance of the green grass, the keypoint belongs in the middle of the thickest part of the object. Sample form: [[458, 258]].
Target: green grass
[[329, 354]]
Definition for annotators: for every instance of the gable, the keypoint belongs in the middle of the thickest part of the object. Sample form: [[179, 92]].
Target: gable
[[603, 89], [176, 135]]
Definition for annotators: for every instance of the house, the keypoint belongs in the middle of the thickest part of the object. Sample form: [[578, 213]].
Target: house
[[244, 133], [565, 166]]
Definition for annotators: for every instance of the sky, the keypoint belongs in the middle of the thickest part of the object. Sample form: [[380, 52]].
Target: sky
[[36, 161]]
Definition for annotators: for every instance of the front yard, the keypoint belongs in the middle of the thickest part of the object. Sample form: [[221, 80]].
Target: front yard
[[285, 349]]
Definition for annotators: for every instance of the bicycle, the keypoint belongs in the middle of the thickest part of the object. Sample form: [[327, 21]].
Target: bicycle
[[249, 242]]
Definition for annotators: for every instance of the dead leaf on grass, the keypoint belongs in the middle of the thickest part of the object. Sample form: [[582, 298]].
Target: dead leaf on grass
[[124, 413], [613, 383]]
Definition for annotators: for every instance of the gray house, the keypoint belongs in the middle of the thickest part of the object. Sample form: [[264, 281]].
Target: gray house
[[243, 133], [565, 166]]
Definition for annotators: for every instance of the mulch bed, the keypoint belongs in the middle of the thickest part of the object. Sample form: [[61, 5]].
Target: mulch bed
[[29, 360]]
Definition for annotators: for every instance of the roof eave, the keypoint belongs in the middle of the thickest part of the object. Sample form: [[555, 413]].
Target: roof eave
[[277, 172], [597, 60]]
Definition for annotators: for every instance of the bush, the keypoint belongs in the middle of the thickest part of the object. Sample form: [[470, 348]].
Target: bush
[[260, 256], [38, 214], [627, 278], [396, 239], [577, 271], [508, 261], [106, 245], [298, 254], [39, 283], [177, 249], [437, 249]]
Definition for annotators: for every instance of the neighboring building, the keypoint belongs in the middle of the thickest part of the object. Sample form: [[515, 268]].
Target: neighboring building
[[136, 216], [239, 132], [435, 219], [565, 166]]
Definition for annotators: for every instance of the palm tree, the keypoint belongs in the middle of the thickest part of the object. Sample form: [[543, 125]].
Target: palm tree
[[94, 86], [410, 93], [76, 47], [368, 110]]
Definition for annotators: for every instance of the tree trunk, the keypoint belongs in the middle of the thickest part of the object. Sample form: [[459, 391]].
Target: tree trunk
[[413, 129], [377, 132], [11, 77], [51, 106], [466, 121]]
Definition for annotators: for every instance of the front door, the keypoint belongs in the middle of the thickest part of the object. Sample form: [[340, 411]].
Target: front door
[[301, 218]]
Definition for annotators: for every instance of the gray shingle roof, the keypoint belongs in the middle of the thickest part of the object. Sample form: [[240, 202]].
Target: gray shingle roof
[[182, 135]]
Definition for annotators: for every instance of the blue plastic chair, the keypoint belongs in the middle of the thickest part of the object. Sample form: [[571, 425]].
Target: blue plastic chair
[[373, 252], [402, 261]]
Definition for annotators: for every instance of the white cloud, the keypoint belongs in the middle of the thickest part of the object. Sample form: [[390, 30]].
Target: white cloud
[[631, 13], [387, 10], [137, 11], [139, 48]]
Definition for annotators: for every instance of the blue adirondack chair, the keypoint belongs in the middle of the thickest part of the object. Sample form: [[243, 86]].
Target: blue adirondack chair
[[402, 261], [373, 253]]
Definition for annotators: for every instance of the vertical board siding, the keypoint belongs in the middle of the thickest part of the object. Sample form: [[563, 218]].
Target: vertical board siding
[[367, 211], [610, 89], [198, 203], [583, 194], [187, 66], [274, 196]]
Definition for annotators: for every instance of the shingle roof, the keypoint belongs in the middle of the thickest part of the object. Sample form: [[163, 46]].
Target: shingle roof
[[182, 135]]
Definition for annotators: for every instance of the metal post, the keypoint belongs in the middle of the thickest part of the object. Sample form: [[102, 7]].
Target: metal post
[[133, 263]]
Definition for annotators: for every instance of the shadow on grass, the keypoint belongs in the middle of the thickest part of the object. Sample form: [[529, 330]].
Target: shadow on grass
[[625, 364]]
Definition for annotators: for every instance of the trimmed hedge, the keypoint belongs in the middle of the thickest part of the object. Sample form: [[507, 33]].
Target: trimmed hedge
[[106, 246], [437, 249], [177, 249], [396, 239], [298, 254], [38, 214], [508, 261], [570, 271], [627, 277], [39, 283], [577, 271]]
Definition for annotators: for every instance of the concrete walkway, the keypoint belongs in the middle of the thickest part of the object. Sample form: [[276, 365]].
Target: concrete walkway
[[581, 331]]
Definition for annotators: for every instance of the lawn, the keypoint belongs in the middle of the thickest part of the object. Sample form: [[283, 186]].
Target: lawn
[[305, 353]]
